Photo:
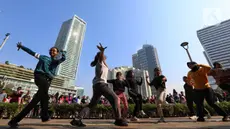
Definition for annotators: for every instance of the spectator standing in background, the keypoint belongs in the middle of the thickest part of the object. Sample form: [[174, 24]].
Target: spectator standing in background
[[3, 95], [16, 96], [26, 98]]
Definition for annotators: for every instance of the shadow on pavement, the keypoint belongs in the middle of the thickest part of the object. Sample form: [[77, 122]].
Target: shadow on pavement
[[7, 127], [207, 127]]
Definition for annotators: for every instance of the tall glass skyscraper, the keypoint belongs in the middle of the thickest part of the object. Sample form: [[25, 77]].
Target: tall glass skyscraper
[[70, 39], [216, 43], [146, 59]]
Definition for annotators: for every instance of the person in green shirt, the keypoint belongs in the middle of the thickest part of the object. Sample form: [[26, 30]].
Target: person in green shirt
[[43, 75]]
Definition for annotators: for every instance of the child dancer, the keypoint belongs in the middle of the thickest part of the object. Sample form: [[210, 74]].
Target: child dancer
[[119, 85]]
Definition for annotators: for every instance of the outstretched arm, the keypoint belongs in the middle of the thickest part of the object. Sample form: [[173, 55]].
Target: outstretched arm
[[111, 81], [32, 53], [205, 67]]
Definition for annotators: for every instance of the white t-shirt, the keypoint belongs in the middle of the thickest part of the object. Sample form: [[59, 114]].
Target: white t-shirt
[[101, 73]]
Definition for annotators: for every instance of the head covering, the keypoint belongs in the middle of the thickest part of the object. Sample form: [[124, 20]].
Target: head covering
[[217, 63], [157, 69], [191, 63]]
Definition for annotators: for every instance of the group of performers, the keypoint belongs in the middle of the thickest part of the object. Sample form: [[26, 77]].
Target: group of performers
[[195, 83]]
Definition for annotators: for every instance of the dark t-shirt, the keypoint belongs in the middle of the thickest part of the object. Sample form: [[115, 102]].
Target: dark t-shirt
[[118, 85], [157, 82], [133, 84], [188, 89], [15, 97]]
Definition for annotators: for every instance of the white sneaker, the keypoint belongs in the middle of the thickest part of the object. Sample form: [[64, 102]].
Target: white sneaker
[[193, 117], [134, 119], [142, 113]]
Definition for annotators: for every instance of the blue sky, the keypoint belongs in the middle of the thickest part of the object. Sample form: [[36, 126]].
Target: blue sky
[[122, 25]]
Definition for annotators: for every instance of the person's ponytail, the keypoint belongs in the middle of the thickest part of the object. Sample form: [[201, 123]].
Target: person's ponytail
[[94, 62]]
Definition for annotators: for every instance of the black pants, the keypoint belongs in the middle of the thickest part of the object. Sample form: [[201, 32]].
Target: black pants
[[100, 89], [190, 99], [208, 95], [41, 96], [36, 111], [137, 98], [225, 87]]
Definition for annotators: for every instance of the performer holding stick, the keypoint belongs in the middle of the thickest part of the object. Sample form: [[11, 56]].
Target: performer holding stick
[[43, 75]]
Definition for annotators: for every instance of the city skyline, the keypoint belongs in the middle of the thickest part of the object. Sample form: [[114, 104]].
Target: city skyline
[[70, 39], [215, 40], [164, 24]]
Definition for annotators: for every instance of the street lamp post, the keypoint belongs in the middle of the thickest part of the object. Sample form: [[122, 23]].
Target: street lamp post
[[4, 40], [185, 46]]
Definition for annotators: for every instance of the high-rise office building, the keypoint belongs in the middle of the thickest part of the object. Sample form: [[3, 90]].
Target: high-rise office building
[[70, 39], [215, 40], [207, 58], [135, 60], [79, 91], [146, 59]]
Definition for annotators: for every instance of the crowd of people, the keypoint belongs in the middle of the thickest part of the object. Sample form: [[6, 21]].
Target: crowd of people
[[197, 89], [24, 98]]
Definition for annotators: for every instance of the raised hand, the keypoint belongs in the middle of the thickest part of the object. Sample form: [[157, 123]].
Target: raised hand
[[101, 48], [19, 45]]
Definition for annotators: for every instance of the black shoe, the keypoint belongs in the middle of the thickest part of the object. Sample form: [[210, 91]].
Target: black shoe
[[225, 118], [13, 124], [120, 122], [77, 123], [45, 119], [200, 120]]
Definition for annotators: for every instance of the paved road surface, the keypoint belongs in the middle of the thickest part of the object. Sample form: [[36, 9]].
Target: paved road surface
[[172, 123]]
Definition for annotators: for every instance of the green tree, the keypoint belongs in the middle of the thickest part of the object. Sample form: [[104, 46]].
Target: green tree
[[21, 66], [7, 62]]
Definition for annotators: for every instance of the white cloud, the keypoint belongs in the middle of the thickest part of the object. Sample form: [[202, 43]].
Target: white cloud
[[212, 16]]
